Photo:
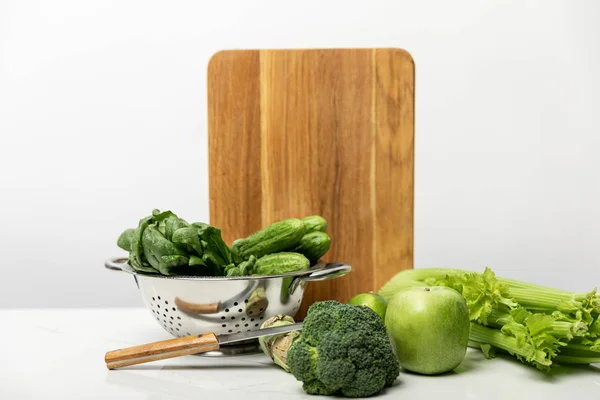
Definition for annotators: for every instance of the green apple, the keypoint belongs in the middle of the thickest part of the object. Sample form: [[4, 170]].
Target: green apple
[[429, 327], [372, 300]]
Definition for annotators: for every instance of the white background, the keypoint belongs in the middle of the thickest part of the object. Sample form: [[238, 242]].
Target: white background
[[103, 117]]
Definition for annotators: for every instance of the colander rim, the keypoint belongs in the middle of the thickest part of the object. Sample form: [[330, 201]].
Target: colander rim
[[125, 267]]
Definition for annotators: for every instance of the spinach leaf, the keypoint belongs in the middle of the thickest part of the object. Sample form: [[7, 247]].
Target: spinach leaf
[[216, 246], [187, 238], [160, 251], [125, 239]]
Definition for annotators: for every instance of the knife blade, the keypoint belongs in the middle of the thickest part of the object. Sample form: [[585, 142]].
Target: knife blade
[[241, 336]]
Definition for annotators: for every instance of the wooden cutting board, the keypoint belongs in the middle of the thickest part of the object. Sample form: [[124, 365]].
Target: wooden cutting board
[[328, 132]]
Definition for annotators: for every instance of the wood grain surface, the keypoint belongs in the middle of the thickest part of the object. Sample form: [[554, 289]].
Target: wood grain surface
[[328, 132]]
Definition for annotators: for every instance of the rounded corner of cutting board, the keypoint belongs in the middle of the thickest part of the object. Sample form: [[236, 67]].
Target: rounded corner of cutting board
[[403, 53], [223, 56], [214, 58]]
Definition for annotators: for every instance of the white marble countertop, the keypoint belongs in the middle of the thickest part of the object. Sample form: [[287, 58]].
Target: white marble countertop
[[59, 354]]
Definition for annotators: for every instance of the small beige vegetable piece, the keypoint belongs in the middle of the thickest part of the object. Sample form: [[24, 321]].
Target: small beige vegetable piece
[[276, 346]]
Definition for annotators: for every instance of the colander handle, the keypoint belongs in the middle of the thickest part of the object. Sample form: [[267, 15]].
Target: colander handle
[[118, 264], [328, 271], [211, 308], [161, 350]]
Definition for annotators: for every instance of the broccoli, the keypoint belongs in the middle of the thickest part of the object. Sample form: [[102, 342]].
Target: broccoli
[[343, 350]]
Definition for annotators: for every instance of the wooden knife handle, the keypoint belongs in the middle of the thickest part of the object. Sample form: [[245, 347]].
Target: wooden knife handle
[[161, 350]]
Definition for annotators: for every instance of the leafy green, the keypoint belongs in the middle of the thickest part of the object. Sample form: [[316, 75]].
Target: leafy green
[[244, 268], [168, 223], [163, 243], [125, 239], [212, 264], [215, 246], [188, 239], [160, 252], [536, 324], [144, 267], [490, 338], [196, 261], [232, 270], [139, 261], [166, 244], [483, 293]]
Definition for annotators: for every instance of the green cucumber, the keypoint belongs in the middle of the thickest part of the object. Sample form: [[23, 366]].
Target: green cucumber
[[280, 263], [314, 245], [280, 236], [315, 223]]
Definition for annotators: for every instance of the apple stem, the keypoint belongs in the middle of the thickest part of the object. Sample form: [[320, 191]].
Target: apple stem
[[427, 289]]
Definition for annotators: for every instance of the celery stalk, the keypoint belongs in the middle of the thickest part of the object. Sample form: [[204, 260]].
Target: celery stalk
[[561, 329], [536, 324], [578, 350], [538, 299], [577, 360], [482, 292], [485, 293], [523, 351]]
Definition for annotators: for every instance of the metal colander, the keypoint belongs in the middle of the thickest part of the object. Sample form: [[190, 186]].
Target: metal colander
[[191, 305]]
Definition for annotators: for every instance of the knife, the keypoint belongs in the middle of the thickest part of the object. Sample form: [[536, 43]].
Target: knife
[[186, 345]]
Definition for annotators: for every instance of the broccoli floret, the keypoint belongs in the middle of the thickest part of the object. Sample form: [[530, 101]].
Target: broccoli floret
[[343, 350]]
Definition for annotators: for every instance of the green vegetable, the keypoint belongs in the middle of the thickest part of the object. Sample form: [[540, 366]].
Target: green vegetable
[[536, 324], [314, 223], [130, 240], [372, 300], [215, 246], [166, 244], [280, 263], [195, 260], [232, 270], [213, 264], [159, 251], [343, 350], [277, 237], [523, 350], [247, 267], [163, 243], [313, 245], [125, 239], [188, 239], [243, 269], [136, 256], [168, 223], [277, 346], [284, 292]]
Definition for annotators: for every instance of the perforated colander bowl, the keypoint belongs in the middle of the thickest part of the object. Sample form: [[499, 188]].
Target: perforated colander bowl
[[191, 305]]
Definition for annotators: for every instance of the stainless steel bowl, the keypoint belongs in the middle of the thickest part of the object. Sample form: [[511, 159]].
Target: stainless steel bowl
[[188, 305]]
